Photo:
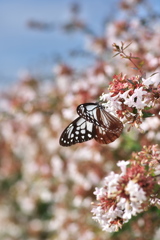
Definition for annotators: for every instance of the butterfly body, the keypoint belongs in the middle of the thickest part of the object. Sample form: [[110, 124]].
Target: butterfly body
[[93, 122]]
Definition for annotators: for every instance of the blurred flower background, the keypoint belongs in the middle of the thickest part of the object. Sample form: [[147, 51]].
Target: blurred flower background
[[56, 55]]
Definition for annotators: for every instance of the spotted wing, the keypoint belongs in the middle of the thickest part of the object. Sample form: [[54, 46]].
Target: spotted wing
[[96, 114], [77, 132], [88, 111]]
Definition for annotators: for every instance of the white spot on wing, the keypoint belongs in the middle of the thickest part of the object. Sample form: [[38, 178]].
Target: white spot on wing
[[83, 131], [80, 121], [90, 107], [70, 131], [95, 114], [89, 126]]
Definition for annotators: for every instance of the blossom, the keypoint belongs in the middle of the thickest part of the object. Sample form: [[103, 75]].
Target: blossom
[[154, 80], [136, 193], [123, 164], [126, 194], [129, 97], [136, 99], [112, 181], [112, 103], [114, 208]]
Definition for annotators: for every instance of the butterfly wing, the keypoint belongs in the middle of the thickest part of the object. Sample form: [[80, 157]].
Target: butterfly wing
[[77, 132], [96, 114], [94, 122], [88, 111], [103, 136], [110, 122]]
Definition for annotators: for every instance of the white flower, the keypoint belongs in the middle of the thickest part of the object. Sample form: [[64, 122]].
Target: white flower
[[112, 102], [111, 181], [113, 213], [105, 218], [135, 192], [147, 81], [99, 192], [155, 80], [136, 99], [128, 211], [103, 97], [123, 164], [97, 211], [114, 210], [125, 95]]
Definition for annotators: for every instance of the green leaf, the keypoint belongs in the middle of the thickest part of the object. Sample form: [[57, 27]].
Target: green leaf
[[154, 74], [147, 114], [135, 57], [127, 46], [116, 54], [147, 108], [130, 81]]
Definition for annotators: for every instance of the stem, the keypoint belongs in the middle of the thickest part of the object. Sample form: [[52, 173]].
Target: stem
[[132, 62]]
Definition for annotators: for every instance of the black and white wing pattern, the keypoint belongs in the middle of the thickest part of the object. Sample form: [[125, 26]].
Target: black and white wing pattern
[[94, 122], [77, 132], [96, 113]]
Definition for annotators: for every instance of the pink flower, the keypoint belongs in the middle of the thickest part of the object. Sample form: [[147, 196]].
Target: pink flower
[[126, 194]]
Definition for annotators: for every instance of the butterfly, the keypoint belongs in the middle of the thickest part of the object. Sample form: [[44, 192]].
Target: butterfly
[[93, 122]]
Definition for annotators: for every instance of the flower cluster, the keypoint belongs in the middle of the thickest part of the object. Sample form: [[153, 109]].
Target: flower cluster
[[46, 190], [132, 191], [131, 97]]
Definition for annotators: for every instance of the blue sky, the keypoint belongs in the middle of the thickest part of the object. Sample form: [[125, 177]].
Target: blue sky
[[22, 48]]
